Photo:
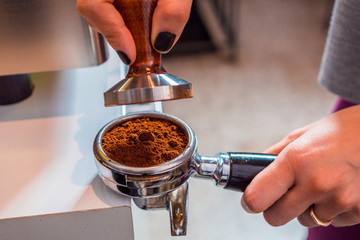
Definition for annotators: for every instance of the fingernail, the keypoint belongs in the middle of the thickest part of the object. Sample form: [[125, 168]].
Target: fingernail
[[164, 41], [124, 58], [245, 207]]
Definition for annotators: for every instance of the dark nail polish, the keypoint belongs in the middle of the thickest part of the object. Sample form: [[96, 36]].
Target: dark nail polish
[[124, 58], [164, 41]]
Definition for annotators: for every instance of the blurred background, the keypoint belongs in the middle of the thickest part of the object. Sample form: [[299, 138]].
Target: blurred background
[[253, 66]]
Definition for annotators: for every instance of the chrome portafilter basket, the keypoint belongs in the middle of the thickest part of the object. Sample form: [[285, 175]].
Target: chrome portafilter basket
[[165, 186], [145, 181]]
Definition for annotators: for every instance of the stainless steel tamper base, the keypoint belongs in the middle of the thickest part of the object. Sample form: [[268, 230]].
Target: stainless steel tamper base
[[147, 88]]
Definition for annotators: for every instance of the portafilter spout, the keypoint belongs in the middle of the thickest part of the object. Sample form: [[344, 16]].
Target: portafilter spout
[[146, 80], [176, 202]]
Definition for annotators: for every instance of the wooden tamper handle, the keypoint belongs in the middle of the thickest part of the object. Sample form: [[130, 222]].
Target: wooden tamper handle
[[147, 80], [138, 15]]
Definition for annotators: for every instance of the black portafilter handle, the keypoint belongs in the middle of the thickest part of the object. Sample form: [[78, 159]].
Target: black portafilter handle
[[244, 167]]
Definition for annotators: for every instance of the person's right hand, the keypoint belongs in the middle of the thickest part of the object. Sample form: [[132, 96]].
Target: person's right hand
[[317, 168], [170, 17]]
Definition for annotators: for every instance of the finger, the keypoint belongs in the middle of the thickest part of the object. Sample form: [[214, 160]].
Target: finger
[[338, 204], [329, 200], [278, 147], [306, 220], [288, 207], [169, 20], [313, 219], [341, 220], [265, 189], [347, 219], [104, 17], [331, 208], [343, 207]]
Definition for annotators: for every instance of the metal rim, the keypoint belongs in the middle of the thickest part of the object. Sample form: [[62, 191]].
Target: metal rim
[[157, 169], [148, 88]]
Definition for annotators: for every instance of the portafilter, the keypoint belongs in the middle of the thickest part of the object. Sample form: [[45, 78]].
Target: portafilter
[[165, 186]]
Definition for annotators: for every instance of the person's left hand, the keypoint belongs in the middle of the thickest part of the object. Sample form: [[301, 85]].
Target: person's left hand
[[168, 22], [317, 165]]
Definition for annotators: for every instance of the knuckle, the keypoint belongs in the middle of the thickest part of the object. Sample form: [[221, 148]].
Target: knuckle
[[294, 134], [114, 36], [343, 201], [305, 165], [320, 185], [175, 16], [295, 157], [84, 7]]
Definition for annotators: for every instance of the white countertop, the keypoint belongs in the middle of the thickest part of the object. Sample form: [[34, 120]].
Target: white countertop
[[47, 163]]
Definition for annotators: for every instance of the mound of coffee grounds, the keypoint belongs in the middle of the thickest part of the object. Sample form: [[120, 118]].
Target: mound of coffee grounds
[[144, 142]]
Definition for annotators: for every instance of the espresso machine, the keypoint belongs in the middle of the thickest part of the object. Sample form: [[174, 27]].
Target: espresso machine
[[42, 36], [50, 186], [163, 186]]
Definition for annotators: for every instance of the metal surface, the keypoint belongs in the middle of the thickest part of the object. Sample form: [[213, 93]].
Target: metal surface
[[46, 35], [178, 209], [176, 202], [147, 88], [215, 167]]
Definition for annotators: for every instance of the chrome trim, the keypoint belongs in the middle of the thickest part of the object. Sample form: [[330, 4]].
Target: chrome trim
[[46, 35], [215, 167], [147, 88]]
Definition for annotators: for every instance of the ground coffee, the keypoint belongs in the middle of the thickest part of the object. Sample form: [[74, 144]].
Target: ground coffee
[[144, 142]]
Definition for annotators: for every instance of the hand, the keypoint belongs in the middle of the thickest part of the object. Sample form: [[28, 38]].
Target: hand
[[318, 164], [170, 17]]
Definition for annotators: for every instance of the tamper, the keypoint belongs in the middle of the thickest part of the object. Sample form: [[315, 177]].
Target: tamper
[[146, 80]]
